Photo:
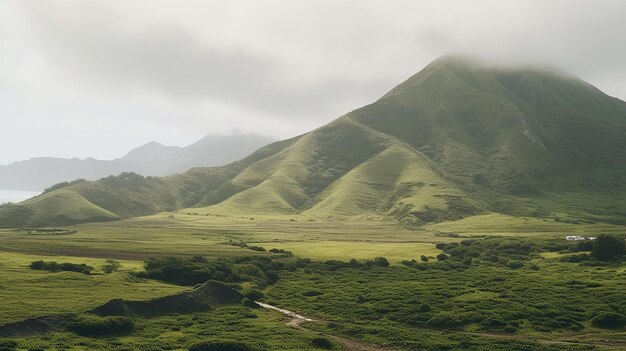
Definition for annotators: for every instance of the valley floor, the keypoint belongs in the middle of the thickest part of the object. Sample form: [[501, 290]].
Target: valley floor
[[357, 307]]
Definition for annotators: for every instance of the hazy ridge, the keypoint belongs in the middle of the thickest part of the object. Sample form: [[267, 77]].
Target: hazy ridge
[[454, 140], [152, 159]]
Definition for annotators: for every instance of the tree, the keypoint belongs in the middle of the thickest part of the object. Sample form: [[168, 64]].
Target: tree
[[608, 320], [111, 266], [607, 247], [322, 343]]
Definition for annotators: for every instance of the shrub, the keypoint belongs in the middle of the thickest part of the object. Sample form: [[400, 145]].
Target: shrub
[[8, 345], [442, 257], [607, 247], [111, 266], [515, 264], [378, 261], [410, 263], [281, 251], [312, 293], [575, 258], [444, 319], [608, 320], [257, 248], [92, 325], [425, 307], [254, 294], [509, 329], [221, 346], [249, 303], [322, 343], [424, 258], [53, 266]]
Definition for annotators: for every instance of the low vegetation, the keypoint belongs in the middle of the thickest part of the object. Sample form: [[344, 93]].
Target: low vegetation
[[53, 266], [92, 325]]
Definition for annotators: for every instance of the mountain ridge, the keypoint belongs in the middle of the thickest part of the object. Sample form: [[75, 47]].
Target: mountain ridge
[[151, 159], [454, 140]]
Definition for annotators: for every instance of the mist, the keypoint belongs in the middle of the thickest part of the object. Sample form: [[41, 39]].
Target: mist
[[95, 79]]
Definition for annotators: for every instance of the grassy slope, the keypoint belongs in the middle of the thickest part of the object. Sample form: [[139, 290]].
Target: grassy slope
[[127, 195], [72, 291], [455, 140]]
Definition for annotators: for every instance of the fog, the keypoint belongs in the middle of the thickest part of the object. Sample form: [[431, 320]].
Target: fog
[[97, 78]]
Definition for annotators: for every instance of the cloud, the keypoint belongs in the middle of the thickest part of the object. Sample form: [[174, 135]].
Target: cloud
[[100, 77]]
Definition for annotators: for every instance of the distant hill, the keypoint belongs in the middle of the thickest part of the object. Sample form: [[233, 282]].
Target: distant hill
[[456, 139], [152, 159]]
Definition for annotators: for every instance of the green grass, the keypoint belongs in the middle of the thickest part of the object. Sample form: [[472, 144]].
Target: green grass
[[383, 305], [389, 314], [30, 293], [342, 250], [498, 224], [258, 328]]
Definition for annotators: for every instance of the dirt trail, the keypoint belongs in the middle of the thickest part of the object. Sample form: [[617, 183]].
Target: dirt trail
[[296, 323]]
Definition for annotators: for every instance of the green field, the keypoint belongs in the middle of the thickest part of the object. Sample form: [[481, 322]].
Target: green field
[[389, 313], [29, 293]]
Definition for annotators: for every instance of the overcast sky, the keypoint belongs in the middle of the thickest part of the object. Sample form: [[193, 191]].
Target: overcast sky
[[97, 78]]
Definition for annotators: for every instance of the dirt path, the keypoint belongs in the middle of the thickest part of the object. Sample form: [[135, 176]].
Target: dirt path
[[296, 323]]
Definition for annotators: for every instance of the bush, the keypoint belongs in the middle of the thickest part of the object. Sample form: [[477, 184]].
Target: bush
[[444, 319], [249, 303], [254, 294], [442, 257], [441, 246], [322, 343], [111, 266], [257, 248], [607, 247], [8, 345], [575, 258], [378, 261], [425, 307], [608, 320], [221, 346], [53, 266], [515, 264], [509, 329], [424, 258], [281, 251], [92, 325]]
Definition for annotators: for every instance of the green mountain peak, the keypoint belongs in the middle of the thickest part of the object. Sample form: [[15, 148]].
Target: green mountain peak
[[456, 139]]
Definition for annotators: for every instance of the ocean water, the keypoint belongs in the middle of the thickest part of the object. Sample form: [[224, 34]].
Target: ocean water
[[16, 195]]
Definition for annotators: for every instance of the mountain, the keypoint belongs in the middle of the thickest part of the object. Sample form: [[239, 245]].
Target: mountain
[[152, 159], [458, 138]]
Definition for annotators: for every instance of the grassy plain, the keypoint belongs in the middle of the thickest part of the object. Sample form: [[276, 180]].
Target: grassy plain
[[392, 295], [27, 293]]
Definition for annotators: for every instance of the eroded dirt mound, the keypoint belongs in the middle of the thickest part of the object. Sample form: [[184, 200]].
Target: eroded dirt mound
[[205, 297], [32, 326]]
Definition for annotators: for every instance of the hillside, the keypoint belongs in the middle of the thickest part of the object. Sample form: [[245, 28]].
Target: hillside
[[152, 159], [456, 139]]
